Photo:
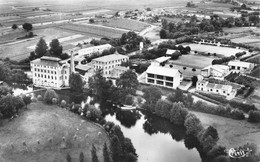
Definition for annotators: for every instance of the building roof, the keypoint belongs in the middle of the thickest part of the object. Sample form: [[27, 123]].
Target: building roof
[[47, 61], [111, 57], [83, 67], [170, 51], [210, 85], [239, 63], [121, 68], [219, 68], [162, 59], [165, 71], [226, 87]]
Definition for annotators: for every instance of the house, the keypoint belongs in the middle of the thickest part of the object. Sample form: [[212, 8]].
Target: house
[[94, 49], [163, 76], [240, 66], [108, 63], [170, 52], [160, 60], [216, 71], [50, 72], [221, 89]]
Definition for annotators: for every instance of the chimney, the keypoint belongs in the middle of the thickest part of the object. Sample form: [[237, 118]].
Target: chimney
[[72, 66]]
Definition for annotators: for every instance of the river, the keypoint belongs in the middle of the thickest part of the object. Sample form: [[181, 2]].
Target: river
[[155, 139]]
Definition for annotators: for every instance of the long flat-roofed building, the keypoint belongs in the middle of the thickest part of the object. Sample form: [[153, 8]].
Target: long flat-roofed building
[[108, 63], [50, 72], [95, 49], [163, 76]]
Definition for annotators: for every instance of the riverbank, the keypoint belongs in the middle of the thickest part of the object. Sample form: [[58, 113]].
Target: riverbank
[[49, 133], [232, 133]]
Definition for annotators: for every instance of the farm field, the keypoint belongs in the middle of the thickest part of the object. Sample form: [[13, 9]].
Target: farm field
[[225, 51], [247, 40], [232, 133], [96, 31], [126, 24], [192, 60], [241, 30], [42, 123], [19, 51], [256, 73]]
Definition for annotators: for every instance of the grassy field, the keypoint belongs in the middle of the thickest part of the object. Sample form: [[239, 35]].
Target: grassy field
[[232, 133], [126, 24], [98, 31], [256, 73], [225, 51], [241, 29], [192, 60], [42, 129], [19, 51]]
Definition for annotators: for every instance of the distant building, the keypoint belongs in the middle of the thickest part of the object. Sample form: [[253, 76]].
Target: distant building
[[160, 60], [108, 63], [95, 49], [163, 76], [50, 72], [170, 52], [240, 66], [221, 89], [216, 71]]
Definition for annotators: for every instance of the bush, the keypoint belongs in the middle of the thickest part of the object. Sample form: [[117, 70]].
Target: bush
[[254, 116], [242, 106], [63, 103], [93, 113], [39, 97], [237, 114], [49, 95], [54, 101], [129, 100], [34, 99]]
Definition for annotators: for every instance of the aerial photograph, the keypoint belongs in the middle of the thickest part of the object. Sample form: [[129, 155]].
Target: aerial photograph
[[129, 80]]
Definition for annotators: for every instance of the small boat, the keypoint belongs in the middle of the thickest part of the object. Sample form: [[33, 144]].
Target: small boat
[[128, 107]]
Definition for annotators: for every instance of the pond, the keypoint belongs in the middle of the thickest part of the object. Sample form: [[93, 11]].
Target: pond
[[155, 139]]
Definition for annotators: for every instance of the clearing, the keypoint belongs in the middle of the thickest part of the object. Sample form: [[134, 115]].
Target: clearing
[[225, 51], [232, 133], [37, 135]]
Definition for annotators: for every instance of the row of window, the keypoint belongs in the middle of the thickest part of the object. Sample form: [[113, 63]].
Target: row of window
[[106, 67], [211, 90], [159, 82], [51, 67], [160, 77], [46, 71], [48, 76], [111, 62]]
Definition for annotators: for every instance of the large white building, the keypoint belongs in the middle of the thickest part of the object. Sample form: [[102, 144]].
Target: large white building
[[108, 63], [95, 49], [240, 66], [163, 76], [50, 72], [215, 71]]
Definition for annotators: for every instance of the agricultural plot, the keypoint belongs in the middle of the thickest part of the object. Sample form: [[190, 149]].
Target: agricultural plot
[[225, 51], [95, 31], [126, 24], [247, 39], [241, 30], [256, 73]]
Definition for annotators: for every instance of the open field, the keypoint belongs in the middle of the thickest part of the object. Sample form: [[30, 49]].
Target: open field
[[19, 51], [37, 135], [126, 24], [256, 72], [225, 51], [232, 133], [192, 60], [94, 30], [241, 30]]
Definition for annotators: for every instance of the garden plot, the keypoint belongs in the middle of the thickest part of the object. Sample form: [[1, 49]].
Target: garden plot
[[225, 51]]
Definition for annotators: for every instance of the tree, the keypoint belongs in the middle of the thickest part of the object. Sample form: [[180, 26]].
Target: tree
[[26, 99], [91, 21], [27, 26], [10, 105], [194, 80], [30, 35], [192, 124], [41, 48], [162, 108], [93, 113], [5, 90], [68, 158], [128, 82], [81, 157], [76, 83], [208, 138], [164, 24], [14, 26], [106, 154], [254, 116], [116, 149], [151, 95], [177, 96], [49, 95], [55, 48], [94, 154], [163, 34], [178, 113]]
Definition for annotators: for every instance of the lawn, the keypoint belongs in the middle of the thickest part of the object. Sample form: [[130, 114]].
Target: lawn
[[193, 60], [95, 30], [126, 24], [225, 51], [38, 133], [232, 133]]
